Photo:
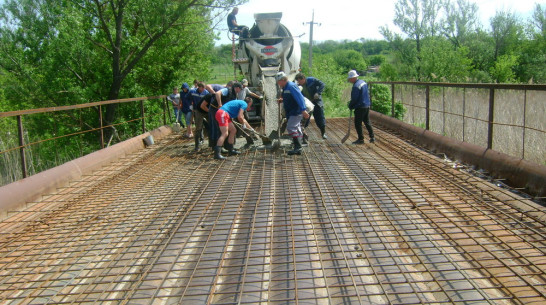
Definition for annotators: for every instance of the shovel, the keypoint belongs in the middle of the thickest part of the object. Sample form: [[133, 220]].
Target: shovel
[[265, 140], [349, 130], [176, 125]]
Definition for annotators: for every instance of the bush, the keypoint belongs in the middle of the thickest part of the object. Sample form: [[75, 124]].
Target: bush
[[381, 101]]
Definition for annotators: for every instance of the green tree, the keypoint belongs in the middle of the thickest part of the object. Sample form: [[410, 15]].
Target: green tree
[[507, 31], [443, 63], [418, 19], [532, 60], [503, 69], [82, 50], [350, 60], [461, 19], [377, 60]]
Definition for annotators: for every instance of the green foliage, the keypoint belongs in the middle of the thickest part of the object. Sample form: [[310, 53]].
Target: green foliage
[[328, 71], [441, 62], [382, 101], [350, 60], [503, 70], [58, 53], [388, 73], [377, 60]]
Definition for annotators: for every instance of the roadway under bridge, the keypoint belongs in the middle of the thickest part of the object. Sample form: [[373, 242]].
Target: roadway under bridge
[[383, 223]]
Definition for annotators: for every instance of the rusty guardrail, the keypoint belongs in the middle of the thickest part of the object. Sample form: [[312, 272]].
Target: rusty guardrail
[[21, 113], [505, 117]]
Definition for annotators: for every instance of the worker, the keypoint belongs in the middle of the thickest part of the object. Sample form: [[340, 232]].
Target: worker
[[312, 89], [214, 130], [234, 27], [294, 107], [174, 98], [246, 95], [310, 107], [186, 108], [224, 116], [198, 114], [360, 102]]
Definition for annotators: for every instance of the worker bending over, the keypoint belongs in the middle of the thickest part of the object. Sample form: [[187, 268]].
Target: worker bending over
[[233, 110]]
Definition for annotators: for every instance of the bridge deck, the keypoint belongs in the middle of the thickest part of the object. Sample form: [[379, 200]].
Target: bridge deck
[[342, 224]]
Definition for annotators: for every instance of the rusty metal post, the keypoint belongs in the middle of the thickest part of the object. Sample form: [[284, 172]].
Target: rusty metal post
[[101, 128], [165, 111], [370, 92], [392, 100], [427, 107], [21, 144], [491, 118], [524, 123], [142, 116], [464, 111]]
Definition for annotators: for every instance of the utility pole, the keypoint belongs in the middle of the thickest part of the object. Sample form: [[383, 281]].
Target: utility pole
[[311, 23]]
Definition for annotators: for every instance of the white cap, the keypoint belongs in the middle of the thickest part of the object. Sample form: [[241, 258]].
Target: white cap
[[279, 75], [244, 82], [353, 74]]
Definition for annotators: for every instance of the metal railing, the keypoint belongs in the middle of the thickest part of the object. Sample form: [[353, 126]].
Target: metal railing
[[23, 145], [504, 117]]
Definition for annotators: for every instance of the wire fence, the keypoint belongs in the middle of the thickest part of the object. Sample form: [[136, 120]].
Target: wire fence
[[506, 118], [34, 140]]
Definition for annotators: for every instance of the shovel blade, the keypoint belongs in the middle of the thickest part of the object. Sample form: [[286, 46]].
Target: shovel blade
[[345, 137]]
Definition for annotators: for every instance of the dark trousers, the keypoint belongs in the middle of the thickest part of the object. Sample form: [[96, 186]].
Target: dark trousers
[[214, 128], [240, 30], [363, 115], [320, 120]]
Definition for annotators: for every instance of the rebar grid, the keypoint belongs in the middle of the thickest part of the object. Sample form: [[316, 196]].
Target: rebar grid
[[372, 224]]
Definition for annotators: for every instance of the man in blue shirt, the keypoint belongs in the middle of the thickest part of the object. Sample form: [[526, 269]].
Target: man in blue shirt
[[185, 102], [214, 89], [360, 102], [198, 114], [233, 110], [312, 89], [234, 27], [294, 107]]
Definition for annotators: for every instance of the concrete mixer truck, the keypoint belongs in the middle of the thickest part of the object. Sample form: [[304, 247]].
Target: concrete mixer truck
[[267, 48]]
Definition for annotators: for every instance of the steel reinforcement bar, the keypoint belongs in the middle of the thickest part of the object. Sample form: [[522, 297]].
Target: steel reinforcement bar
[[383, 223]]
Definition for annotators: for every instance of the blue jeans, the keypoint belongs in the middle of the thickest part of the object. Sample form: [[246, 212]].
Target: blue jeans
[[187, 117], [177, 116]]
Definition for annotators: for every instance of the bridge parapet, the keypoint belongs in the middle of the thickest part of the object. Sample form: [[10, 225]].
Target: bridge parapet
[[508, 118]]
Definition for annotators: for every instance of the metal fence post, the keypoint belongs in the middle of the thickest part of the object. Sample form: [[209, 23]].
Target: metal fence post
[[524, 123], [392, 101], [165, 111], [21, 144], [491, 118], [427, 107], [142, 116], [370, 93], [101, 128]]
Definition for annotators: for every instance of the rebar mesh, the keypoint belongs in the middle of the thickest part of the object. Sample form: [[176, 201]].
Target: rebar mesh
[[374, 224]]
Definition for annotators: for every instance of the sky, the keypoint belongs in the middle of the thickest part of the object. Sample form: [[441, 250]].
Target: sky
[[353, 19]]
